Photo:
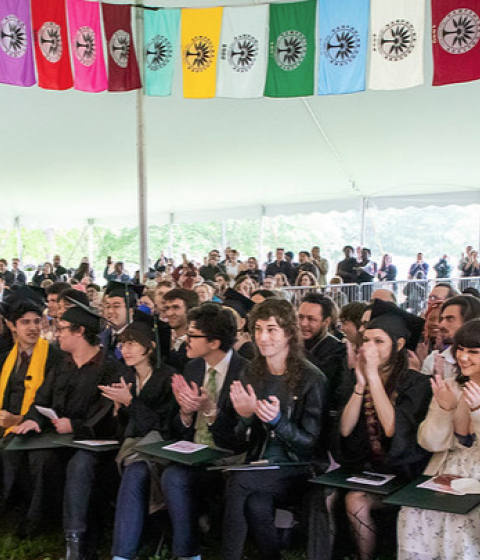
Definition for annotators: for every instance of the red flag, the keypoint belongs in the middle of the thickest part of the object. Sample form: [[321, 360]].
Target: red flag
[[51, 44], [455, 38], [123, 73]]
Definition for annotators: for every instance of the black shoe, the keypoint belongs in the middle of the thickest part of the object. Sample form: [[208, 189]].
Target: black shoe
[[75, 545]]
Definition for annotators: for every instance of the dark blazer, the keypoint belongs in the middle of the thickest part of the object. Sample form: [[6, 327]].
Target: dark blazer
[[223, 429]]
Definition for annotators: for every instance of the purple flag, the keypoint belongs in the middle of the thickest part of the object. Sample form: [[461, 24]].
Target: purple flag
[[16, 47]]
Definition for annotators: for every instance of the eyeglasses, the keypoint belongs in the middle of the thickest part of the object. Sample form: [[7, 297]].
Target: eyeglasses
[[189, 336]]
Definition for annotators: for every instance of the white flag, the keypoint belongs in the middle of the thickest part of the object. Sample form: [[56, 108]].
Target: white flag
[[397, 30], [242, 65]]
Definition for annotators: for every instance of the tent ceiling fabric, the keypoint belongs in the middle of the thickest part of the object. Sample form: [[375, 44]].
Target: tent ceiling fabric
[[69, 156]]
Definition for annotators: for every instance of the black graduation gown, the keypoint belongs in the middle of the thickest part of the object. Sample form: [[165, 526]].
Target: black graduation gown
[[402, 454], [152, 409]]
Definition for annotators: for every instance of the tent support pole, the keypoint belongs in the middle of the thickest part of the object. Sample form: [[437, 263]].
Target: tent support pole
[[363, 216], [224, 235], [19, 238], [261, 235], [141, 159], [91, 256], [171, 221], [80, 239]]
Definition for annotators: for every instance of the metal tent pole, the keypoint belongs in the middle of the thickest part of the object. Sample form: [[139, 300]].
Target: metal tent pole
[[141, 158], [363, 215], [171, 221], [261, 236], [19, 239], [91, 256]]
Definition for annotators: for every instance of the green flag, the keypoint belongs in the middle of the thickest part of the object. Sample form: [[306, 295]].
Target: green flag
[[292, 50]]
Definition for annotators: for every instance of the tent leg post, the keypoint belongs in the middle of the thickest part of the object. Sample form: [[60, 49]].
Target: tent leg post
[[141, 160], [171, 222], [19, 238], [363, 217]]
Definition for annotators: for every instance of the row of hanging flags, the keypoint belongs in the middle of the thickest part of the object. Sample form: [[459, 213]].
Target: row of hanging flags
[[271, 50]]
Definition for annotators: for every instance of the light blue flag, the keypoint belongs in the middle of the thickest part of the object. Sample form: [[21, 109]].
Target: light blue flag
[[161, 47], [343, 36]]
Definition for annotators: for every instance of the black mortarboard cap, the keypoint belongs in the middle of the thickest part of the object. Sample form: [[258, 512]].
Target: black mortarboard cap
[[122, 290], [396, 322], [233, 295], [143, 324], [16, 294], [82, 315], [138, 289]]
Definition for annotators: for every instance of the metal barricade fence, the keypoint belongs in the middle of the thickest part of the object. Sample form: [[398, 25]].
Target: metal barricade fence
[[411, 295]]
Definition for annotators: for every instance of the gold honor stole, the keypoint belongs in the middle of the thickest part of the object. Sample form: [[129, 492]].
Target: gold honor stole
[[34, 377]]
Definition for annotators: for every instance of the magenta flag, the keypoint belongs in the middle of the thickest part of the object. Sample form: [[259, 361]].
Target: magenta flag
[[87, 46], [16, 47]]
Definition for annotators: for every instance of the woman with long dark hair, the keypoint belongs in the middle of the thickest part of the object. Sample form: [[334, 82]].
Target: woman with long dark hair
[[451, 430], [379, 422], [280, 409]]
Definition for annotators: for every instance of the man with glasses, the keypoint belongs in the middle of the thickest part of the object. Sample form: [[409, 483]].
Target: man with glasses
[[206, 416], [120, 301]]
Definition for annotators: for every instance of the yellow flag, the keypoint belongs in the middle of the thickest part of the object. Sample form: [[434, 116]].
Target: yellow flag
[[200, 43]]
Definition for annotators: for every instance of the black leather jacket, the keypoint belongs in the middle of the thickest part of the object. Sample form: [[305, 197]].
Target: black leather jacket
[[299, 430]]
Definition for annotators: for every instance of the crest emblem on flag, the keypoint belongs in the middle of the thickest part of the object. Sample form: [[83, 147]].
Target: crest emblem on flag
[[120, 48], [50, 41], [242, 53], [459, 31], [342, 45], [13, 37], [158, 53], [84, 47], [396, 40], [199, 54], [290, 50]]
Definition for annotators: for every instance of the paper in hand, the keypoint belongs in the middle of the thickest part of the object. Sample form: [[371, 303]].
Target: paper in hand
[[48, 412]]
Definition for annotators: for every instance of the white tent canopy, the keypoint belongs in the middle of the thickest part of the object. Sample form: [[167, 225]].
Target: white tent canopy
[[68, 156]]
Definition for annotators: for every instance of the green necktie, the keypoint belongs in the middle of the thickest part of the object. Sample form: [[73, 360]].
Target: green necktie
[[202, 433]]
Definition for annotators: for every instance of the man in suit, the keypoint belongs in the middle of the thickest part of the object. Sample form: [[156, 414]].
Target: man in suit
[[206, 416]]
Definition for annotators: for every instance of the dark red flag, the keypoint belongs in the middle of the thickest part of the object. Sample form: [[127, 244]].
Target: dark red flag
[[123, 73], [51, 44], [455, 38]]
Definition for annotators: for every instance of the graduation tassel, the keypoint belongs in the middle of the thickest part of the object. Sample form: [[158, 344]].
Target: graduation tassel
[[157, 340], [127, 303]]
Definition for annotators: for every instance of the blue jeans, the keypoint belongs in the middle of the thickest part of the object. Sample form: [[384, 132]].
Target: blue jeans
[[131, 509], [80, 479]]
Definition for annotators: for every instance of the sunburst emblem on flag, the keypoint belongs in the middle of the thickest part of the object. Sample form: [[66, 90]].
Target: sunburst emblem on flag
[[158, 52], [199, 54], [50, 41], [243, 52], [13, 37], [84, 46], [290, 50], [342, 45], [459, 31], [120, 47], [397, 40]]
